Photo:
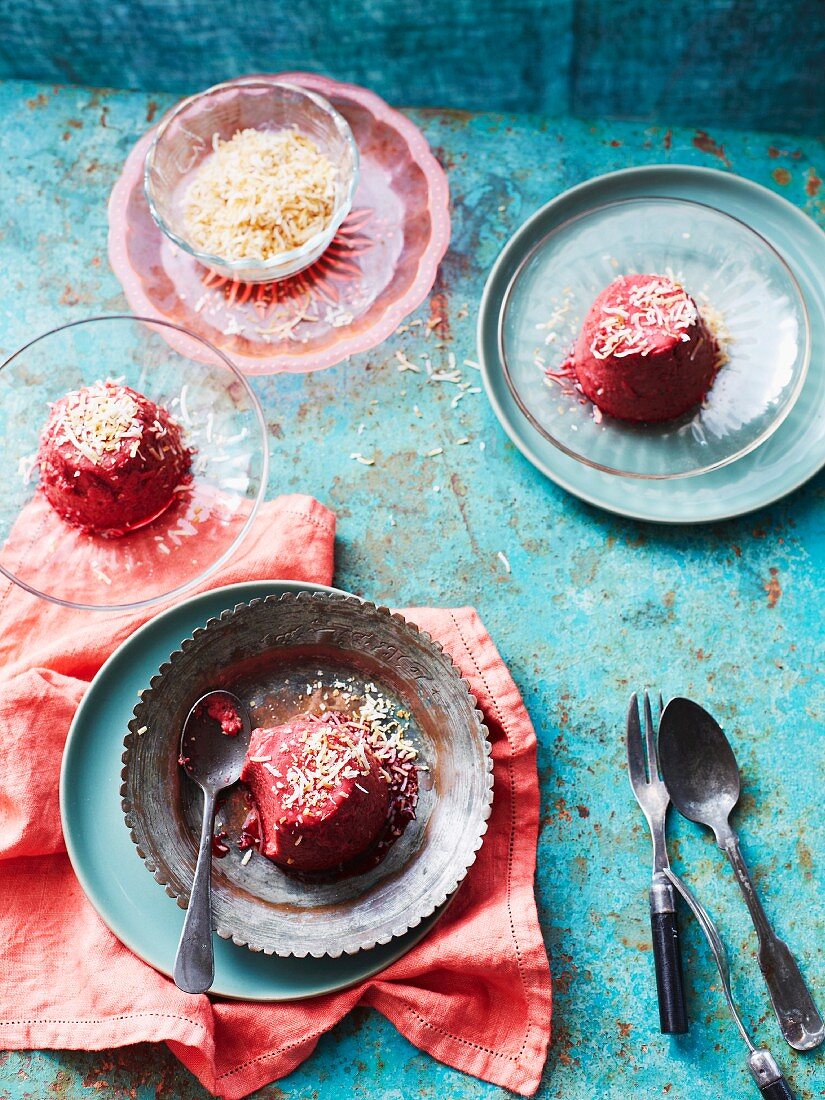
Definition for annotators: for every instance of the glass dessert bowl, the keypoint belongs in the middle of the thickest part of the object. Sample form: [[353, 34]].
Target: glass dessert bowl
[[190, 134], [746, 296], [133, 472]]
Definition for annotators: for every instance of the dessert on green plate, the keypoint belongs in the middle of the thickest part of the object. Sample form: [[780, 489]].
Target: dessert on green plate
[[644, 352]]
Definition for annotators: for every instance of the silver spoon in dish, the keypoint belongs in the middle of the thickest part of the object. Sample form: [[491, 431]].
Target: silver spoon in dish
[[700, 772], [213, 745]]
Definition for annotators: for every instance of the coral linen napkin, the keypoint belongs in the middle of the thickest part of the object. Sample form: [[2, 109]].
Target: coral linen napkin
[[475, 993]]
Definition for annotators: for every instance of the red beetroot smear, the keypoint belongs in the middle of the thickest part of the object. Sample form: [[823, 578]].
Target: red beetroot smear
[[222, 710], [251, 831], [220, 845]]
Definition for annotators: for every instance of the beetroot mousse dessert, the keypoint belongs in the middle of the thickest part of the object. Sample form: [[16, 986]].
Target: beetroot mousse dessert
[[110, 459], [321, 793], [644, 352]]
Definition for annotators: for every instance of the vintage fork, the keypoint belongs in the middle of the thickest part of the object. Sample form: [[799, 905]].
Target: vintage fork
[[652, 796]]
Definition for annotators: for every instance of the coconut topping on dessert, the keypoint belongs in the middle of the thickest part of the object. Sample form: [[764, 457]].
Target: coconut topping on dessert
[[96, 420], [331, 750], [653, 309], [320, 791], [331, 788]]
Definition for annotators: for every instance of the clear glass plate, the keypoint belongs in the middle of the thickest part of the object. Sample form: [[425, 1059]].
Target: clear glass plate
[[221, 419], [738, 280]]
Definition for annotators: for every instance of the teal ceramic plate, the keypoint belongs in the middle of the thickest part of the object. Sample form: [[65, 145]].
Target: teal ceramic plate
[[100, 848], [793, 454]]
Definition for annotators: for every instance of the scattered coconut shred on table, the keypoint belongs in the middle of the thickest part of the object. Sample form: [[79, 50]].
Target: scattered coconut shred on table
[[450, 374]]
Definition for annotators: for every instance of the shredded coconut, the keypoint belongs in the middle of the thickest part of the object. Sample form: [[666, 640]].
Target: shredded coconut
[[260, 194], [624, 329], [97, 419]]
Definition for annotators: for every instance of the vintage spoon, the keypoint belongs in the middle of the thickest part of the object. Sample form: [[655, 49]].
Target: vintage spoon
[[700, 772], [213, 759]]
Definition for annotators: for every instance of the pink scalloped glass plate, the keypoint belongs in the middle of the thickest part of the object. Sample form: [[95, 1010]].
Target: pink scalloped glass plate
[[378, 269]]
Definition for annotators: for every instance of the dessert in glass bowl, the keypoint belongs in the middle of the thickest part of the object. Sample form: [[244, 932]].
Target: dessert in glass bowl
[[113, 432], [667, 409], [110, 459]]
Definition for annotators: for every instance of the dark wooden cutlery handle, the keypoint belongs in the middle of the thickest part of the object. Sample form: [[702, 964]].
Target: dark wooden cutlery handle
[[778, 1090], [768, 1076], [667, 958]]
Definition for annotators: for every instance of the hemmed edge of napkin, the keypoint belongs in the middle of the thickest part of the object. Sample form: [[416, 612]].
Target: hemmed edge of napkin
[[105, 1033], [250, 1075], [194, 1039]]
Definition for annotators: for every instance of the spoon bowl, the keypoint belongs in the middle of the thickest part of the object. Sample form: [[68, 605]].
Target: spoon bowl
[[698, 765], [214, 740]]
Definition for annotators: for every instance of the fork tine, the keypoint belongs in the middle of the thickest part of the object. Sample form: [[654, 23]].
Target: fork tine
[[635, 750], [650, 742]]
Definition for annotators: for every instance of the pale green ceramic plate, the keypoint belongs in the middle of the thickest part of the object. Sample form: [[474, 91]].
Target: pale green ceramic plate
[[104, 857], [793, 454]]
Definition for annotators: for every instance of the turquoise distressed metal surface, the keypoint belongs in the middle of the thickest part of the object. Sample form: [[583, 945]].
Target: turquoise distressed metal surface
[[753, 63], [593, 606]]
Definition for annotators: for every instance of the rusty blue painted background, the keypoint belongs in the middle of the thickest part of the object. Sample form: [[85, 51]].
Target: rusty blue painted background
[[594, 606], [745, 63]]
